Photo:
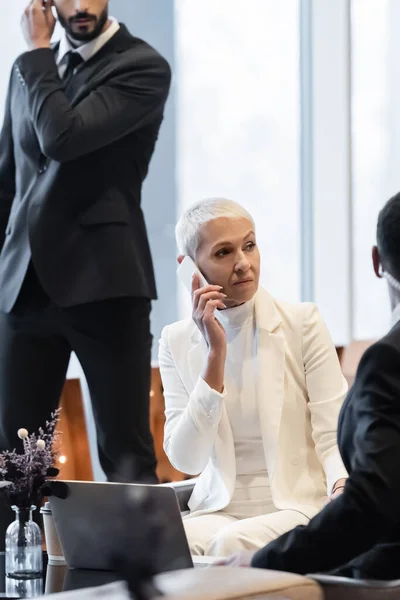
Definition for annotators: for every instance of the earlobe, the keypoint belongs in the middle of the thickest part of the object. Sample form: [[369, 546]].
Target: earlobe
[[376, 262]]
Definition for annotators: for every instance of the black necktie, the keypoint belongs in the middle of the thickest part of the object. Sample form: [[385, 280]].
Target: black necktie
[[73, 60]]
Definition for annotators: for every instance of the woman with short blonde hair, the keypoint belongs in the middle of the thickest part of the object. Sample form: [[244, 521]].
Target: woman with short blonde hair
[[252, 387]]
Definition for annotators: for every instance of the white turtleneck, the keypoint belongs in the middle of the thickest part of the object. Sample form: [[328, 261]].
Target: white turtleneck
[[240, 383]]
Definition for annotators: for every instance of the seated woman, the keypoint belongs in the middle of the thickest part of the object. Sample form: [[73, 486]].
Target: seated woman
[[252, 388], [358, 535]]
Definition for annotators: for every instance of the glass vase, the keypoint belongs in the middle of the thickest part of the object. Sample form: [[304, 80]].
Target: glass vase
[[24, 557], [23, 588]]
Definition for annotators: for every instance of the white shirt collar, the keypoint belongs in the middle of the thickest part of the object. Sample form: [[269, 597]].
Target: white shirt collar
[[237, 316], [89, 49], [396, 314]]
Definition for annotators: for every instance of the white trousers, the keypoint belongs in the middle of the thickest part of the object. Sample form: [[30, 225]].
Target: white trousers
[[220, 534], [249, 522]]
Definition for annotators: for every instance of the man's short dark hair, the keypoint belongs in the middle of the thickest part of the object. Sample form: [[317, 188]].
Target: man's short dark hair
[[388, 235]]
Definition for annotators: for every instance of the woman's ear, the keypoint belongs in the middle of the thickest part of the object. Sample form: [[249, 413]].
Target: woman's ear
[[180, 258]]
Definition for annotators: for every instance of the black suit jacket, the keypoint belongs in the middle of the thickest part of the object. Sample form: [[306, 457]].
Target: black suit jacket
[[72, 164], [358, 534]]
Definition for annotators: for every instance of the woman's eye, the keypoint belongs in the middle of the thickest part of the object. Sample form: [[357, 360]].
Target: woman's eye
[[222, 252]]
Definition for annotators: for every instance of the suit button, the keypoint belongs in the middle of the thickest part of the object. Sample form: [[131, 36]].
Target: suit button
[[295, 461]]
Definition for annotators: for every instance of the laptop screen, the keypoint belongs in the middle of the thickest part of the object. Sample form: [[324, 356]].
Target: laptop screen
[[100, 521]]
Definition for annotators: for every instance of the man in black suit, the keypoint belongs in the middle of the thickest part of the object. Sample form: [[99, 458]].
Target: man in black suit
[[358, 534], [81, 123]]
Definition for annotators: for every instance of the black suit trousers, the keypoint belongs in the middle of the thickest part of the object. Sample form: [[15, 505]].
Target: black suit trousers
[[112, 341]]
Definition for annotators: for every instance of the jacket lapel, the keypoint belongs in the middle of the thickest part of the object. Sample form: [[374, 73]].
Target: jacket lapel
[[270, 389], [270, 373]]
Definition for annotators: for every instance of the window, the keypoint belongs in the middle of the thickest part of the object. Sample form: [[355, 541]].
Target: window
[[238, 95], [376, 149]]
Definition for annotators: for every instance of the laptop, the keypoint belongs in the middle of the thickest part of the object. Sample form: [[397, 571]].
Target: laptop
[[84, 525]]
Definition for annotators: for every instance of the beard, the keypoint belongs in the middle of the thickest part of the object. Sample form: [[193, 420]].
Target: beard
[[84, 36]]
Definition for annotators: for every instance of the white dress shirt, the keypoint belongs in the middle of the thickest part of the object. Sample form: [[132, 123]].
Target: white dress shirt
[[86, 50]]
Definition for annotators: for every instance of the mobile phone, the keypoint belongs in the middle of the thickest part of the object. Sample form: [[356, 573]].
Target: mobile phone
[[53, 8], [185, 272]]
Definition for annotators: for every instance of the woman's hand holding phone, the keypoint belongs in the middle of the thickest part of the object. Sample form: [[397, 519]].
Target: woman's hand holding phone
[[206, 300]]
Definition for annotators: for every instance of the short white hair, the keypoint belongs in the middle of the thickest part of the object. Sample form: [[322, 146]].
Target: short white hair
[[187, 230]]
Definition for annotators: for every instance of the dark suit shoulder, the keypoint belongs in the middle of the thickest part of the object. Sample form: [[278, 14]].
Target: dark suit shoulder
[[139, 50], [393, 336], [142, 55], [387, 344], [380, 361], [147, 49], [139, 59]]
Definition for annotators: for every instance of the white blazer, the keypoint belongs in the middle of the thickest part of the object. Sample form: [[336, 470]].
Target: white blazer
[[300, 392]]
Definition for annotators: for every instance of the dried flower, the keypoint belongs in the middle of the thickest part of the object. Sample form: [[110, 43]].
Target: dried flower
[[23, 434], [27, 472]]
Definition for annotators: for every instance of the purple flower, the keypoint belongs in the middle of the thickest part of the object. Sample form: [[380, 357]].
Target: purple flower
[[25, 473]]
